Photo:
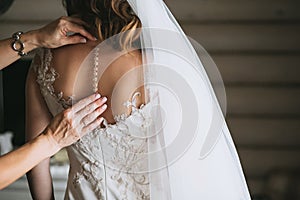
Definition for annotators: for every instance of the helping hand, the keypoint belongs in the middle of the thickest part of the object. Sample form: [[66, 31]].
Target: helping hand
[[73, 123], [56, 33]]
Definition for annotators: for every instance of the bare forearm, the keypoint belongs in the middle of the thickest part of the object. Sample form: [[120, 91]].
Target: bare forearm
[[8, 55], [40, 177], [16, 163]]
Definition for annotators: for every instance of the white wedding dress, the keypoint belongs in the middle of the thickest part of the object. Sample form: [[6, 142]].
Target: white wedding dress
[[100, 160], [190, 157], [97, 174]]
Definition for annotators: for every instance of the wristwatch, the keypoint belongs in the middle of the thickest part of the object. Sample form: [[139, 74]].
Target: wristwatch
[[17, 45]]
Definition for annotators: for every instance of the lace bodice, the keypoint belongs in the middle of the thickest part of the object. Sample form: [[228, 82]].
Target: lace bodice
[[102, 162]]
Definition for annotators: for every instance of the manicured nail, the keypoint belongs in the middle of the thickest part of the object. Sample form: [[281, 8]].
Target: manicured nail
[[104, 107], [104, 99], [98, 96], [83, 40]]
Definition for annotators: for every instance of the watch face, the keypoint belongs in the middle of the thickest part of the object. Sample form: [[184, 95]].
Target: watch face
[[4, 5]]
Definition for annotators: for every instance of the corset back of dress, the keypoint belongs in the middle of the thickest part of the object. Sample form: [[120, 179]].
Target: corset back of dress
[[103, 164]]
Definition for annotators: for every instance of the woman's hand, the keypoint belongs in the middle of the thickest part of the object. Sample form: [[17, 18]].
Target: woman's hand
[[63, 31], [73, 123]]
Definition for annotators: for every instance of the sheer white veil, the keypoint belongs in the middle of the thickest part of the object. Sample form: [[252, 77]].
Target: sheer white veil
[[190, 153]]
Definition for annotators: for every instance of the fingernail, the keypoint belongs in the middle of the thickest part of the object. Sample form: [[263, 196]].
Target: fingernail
[[104, 107], [98, 96], [83, 40], [104, 99]]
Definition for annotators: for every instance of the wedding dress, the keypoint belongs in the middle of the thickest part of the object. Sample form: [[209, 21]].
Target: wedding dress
[[89, 178], [161, 151]]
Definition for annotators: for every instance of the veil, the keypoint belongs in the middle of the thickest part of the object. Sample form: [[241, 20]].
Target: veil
[[190, 153], [198, 159]]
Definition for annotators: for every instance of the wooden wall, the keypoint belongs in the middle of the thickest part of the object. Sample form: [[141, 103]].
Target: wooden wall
[[256, 46]]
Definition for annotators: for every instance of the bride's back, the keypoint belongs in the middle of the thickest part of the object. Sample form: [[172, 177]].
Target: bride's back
[[104, 19], [67, 61]]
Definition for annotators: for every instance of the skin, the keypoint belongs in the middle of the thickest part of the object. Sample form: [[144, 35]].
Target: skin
[[66, 62], [63, 129], [52, 35]]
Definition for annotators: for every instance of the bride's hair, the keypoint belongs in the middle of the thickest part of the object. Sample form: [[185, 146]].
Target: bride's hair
[[106, 18]]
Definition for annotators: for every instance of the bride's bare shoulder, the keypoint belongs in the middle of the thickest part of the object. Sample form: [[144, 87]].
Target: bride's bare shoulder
[[127, 61], [72, 54]]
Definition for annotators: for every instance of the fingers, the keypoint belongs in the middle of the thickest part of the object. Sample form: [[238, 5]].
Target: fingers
[[91, 108], [94, 115], [86, 110], [91, 126], [75, 39], [75, 25], [85, 102], [75, 28], [89, 117], [63, 31], [68, 126]]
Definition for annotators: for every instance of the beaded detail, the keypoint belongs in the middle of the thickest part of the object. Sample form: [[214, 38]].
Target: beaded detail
[[107, 157]]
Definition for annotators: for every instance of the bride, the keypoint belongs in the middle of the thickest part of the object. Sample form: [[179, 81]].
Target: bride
[[164, 135]]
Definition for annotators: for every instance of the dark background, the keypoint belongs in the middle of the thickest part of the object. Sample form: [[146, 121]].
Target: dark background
[[14, 78]]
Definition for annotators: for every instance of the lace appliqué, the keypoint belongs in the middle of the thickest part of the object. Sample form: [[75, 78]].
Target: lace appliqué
[[90, 172], [46, 76], [124, 151]]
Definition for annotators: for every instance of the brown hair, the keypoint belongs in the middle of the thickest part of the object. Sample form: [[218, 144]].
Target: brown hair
[[107, 18]]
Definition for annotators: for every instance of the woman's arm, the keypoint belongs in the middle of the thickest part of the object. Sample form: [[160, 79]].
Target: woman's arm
[[37, 119], [56, 136], [52, 35], [17, 163]]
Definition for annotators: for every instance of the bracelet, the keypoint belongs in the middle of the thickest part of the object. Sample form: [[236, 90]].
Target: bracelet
[[17, 45]]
